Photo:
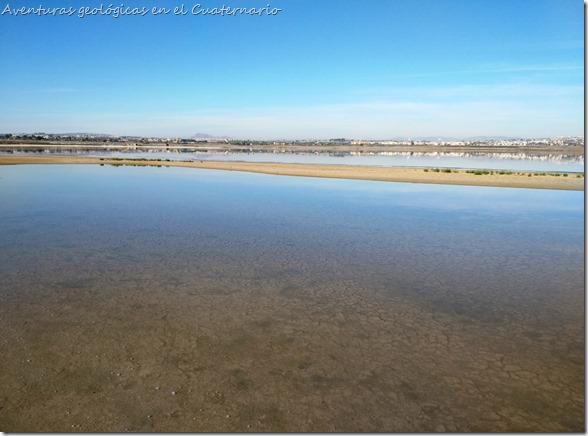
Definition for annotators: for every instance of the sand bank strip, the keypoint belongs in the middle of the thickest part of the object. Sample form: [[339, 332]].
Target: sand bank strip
[[520, 179]]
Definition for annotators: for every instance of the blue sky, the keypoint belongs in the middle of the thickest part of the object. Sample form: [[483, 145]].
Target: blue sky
[[318, 69]]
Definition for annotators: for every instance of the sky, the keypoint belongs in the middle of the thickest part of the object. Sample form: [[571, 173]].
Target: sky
[[316, 69]]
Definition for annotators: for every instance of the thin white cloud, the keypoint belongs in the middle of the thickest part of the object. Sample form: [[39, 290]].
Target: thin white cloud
[[496, 69], [510, 91]]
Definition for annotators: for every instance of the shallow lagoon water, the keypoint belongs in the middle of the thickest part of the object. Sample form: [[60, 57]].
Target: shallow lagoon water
[[170, 299]]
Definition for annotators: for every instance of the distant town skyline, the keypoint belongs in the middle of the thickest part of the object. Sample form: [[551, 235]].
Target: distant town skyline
[[80, 137], [381, 69]]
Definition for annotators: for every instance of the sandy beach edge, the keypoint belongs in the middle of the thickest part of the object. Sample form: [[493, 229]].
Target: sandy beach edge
[[518, 179]]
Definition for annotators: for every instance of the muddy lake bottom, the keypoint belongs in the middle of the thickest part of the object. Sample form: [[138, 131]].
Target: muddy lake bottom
[[172, 299]]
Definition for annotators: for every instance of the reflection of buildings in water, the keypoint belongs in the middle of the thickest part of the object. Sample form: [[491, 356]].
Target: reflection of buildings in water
[[516, 156], [116, 151]]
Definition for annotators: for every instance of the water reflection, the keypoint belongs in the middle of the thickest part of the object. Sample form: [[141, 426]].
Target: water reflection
[[499, 161], [243, 302], [465, 160]]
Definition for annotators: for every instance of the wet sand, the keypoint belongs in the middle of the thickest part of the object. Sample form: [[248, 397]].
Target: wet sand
[[520, 179]]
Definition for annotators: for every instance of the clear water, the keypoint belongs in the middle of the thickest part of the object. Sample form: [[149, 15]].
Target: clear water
[[241, 302]]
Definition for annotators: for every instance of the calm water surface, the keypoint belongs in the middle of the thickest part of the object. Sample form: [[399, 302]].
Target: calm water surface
[[169, 299], [491, 161]]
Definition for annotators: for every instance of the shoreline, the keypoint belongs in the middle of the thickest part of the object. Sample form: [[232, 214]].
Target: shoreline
[[515, 179]]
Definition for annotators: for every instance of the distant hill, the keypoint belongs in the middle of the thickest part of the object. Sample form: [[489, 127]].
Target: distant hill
[[207, 136], [490, 138], [93, 135]]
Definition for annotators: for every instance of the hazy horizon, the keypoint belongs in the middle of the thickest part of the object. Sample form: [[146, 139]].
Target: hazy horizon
[[325, 139]]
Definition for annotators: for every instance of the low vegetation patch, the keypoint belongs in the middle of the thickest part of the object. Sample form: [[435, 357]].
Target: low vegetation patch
[[478, 172], [133, 159]]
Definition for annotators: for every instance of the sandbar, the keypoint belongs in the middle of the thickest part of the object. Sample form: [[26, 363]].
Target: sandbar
[[518, 179]]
